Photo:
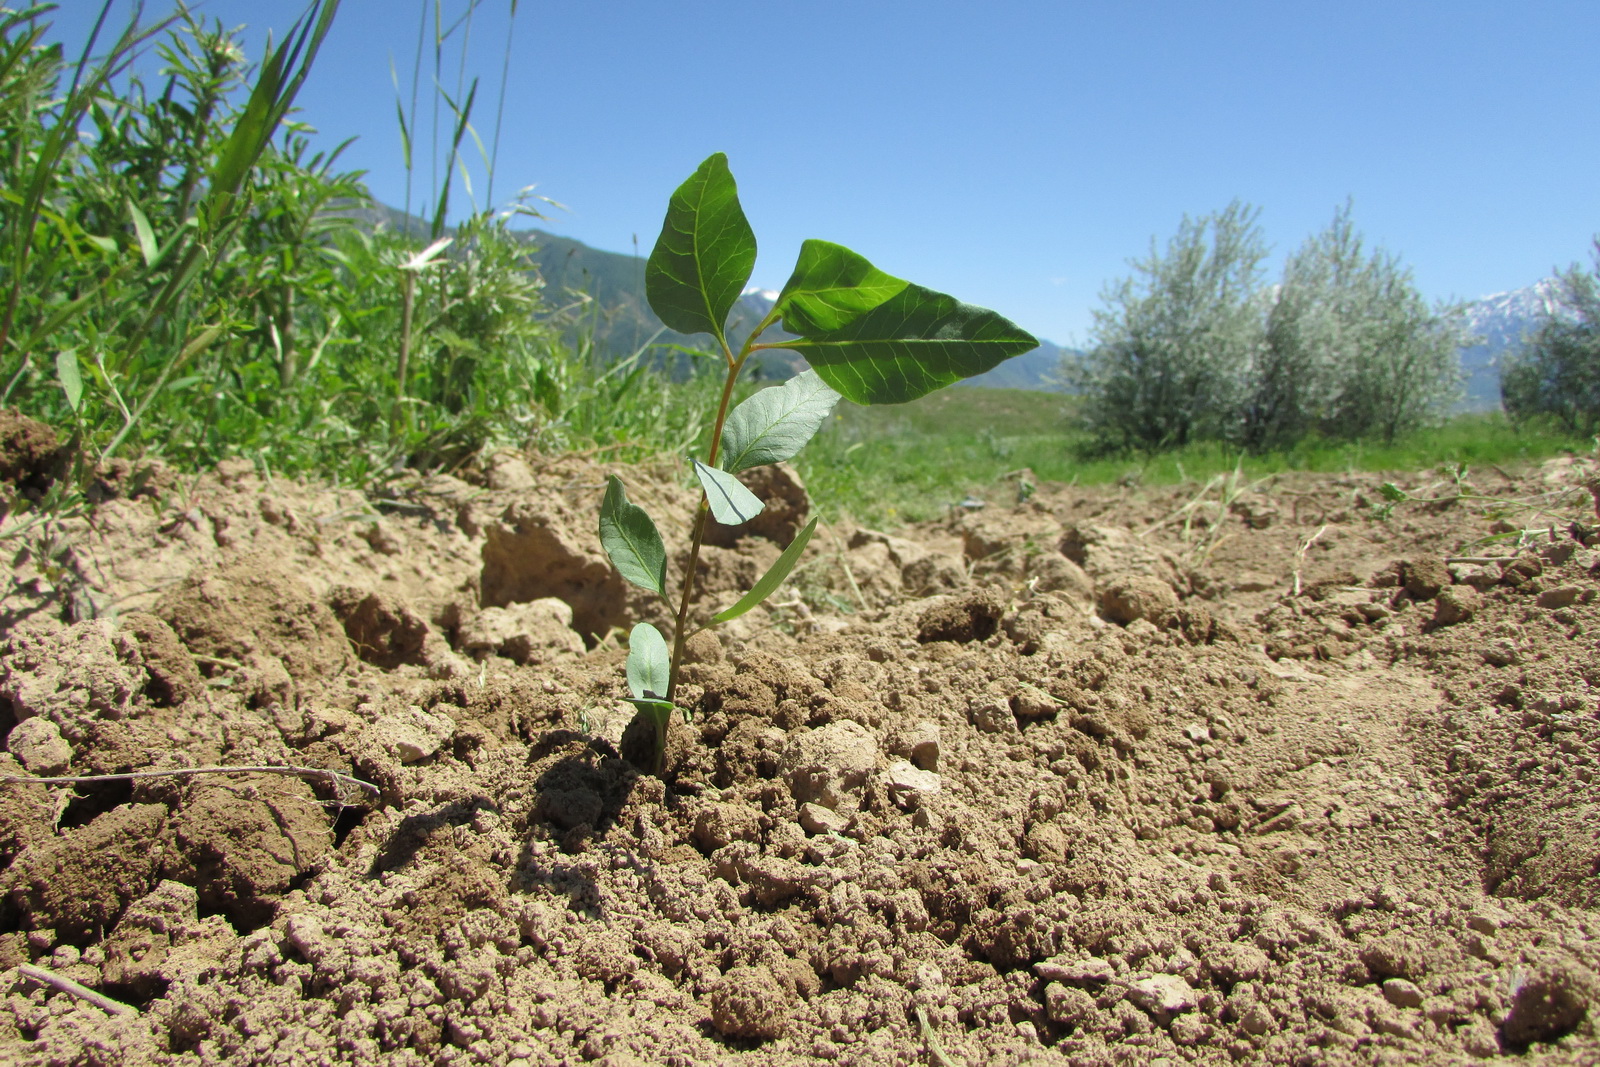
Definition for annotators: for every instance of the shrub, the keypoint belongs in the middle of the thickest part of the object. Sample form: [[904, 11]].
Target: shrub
[[1197, 350], [1173, 345], [1558, 373], [1352, 349]]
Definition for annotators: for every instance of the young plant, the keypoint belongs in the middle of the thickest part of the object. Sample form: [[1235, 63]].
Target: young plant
[[868, 336]]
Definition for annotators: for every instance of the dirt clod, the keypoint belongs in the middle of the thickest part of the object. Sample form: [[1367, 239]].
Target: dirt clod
[[1138, 597], [969, 617], [1547, 1002], [254, 611], [749, 1002]]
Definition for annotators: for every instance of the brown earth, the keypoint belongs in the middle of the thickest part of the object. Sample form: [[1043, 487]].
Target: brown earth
[[1109, 776]]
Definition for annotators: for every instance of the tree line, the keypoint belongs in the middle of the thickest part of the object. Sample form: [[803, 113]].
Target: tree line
[[1557, 373], [1196, 346]]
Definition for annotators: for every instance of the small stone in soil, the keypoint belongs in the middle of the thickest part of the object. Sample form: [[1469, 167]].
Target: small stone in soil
[[1162, 995], [1401, 993]]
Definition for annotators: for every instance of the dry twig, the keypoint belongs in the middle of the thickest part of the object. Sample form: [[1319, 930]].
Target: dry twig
[[82, 992], [1300, 556], [936, 1053]]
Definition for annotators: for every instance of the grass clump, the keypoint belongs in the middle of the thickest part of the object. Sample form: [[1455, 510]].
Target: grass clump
[[186, 277]]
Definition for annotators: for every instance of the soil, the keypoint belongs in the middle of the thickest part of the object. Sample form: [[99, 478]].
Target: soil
[[1103, 776]]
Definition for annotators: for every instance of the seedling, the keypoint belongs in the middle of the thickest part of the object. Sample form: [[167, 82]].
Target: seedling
[[868, 336]]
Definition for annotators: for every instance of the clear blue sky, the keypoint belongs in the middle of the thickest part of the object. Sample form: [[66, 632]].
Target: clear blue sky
[[1015, 154]]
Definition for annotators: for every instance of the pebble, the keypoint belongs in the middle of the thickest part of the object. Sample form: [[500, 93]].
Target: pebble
[[1401, 993], [905, 780], [1162, 995], [816, 819], [1501, 653], [1487, 919], [1560, 597]]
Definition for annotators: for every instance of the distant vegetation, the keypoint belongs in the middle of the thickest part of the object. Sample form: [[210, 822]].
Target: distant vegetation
[[1194, 346], [1557, 374], [888, 466]]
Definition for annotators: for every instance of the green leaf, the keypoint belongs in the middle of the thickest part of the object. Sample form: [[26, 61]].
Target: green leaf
[[704, 255], [831, 287], [631, 539], [660, 710], [775, 423], [70, 376], [773, 578], [147, 237], [1390, 491], [649, 663], [731, 503], [909, 345]]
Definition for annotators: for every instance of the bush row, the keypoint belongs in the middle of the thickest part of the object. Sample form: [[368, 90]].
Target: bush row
[[1195, 347]]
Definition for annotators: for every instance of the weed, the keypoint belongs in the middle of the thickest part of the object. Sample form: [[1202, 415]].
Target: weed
[[869, 337]]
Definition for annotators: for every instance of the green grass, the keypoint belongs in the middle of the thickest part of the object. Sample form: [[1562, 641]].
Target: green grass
[[892, 465]]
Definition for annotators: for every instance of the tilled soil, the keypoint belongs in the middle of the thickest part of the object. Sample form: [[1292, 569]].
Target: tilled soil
[[1103, 776]]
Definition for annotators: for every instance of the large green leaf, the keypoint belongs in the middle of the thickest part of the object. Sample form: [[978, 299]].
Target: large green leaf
[[731, 503], [775, 423], [909, 345], [831, 287], [631, 539], [769, 582], [704, 255], [649, 663]]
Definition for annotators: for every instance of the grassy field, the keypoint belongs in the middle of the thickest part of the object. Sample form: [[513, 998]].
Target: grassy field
[[892, 465]]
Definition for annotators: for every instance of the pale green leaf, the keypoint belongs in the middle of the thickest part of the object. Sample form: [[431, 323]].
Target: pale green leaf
[[704, 255], [773, 578], [425, 258], [909, 345], [731, 503], [649, 663], [147, 237], [775, 423], [631, 539], [831, 287], [70, 376]]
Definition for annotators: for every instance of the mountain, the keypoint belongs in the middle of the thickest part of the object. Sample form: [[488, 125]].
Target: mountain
[[603, 293], [1039, 369], [1502, 322]]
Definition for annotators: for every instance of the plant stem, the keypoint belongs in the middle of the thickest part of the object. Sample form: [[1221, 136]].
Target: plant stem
[[408, 294], [680, 633]]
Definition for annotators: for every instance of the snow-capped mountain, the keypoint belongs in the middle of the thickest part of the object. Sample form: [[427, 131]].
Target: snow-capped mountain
[[1502, 322]]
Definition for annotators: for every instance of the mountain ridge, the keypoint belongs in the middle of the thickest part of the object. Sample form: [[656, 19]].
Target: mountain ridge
[[607, 292]]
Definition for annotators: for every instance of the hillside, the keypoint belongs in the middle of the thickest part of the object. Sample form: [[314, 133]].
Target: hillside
[[605, 294]]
